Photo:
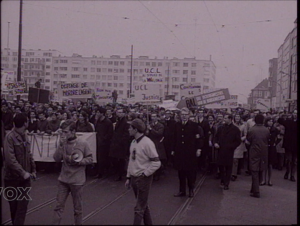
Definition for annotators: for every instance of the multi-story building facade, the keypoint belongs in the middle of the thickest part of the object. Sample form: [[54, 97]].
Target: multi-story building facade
[[260, 92], [287, 72], [112, 72], [35, 64], [273, 81]]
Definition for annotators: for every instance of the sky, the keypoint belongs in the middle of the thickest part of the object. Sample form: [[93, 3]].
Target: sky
[[239, 36]]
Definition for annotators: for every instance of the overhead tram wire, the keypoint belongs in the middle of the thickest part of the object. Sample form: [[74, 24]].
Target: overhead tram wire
[[165, 26]]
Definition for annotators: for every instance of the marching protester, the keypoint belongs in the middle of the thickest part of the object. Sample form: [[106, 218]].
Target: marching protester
[[257, 139], [76, 155], [143, 162], [119, 148], [227, 139], [186, 150], [290, 144], [19, 167]]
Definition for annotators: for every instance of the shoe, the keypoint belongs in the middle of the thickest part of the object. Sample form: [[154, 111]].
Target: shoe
[[226, 187], [292, 179], [233, 178], [191, 193], [119, 178], [286, 176], [98, 176], [270, 184], [179, 194], [262, 183], [255, 195]]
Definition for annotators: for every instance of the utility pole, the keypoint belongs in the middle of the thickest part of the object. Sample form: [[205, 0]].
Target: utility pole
[[20, 47], [168, 79], [8, 36], [131, 71]]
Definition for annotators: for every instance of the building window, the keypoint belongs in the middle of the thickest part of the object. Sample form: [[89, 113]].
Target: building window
[[93, 62], [121, 70], [193, 72], [98, 77], [75, 76], [85, 69], [110, 62], [121, 85], [194, 64], [159, 64], [153, 64], [108, 84], [115, 77], [104, 77], [116, 70], [110, 77], [148, 64], [75, 68], [92, 69], [48, 60], [92, 76], [185, 64], [64, 61], [116, 63], [142, 63], [98, 62], [115, 85], [206, 80], [98, 69], [104, 62], [193, 79], [185, 72], [103, 84], [47, 73], [110, 70], [176, 64], [184, 79], [47, 80], [122, 63]]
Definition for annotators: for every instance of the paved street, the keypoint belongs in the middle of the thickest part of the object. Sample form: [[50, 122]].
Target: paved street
[[108, 202]]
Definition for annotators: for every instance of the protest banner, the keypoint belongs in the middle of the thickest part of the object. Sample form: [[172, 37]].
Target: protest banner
[[190, 90], [43, 147], [16, 87], [232, 102], [152, 75], [75, 89], [102, 95], [263, 104], [204, 99], [6, 77], [147, 92]]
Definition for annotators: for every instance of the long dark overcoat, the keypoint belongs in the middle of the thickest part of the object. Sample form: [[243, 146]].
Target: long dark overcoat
[[229, 138], [186, 142], [258, 136], [156, 134], [290, 142], [119, 147]]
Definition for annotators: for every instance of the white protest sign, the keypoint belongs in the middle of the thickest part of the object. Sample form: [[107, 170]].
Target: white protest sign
[[43, 147], [263, 104], [74, 90], [230, 103], [152, 75], [190, 90], [103, 95], [6, 76], [16, 87], [146, 92]]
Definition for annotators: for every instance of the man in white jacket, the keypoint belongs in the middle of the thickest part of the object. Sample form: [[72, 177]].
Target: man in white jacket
[[143, 162]]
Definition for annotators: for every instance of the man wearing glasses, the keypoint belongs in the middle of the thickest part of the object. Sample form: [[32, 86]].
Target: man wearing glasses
[[143, 162]]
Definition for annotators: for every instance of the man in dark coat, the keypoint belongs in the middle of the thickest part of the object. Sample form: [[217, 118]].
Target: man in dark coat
[[119, 148], [187, 147], [228, 138], [203, 122], [290, 143], [168, 141], [257, 139], [104, 130], [6, 116], [155, 131]]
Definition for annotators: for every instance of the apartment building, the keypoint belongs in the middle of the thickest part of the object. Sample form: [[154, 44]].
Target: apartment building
[[112, 72], [287, 72], [35, 64]]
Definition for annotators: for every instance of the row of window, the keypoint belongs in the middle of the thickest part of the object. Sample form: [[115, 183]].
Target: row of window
[[39, 60]]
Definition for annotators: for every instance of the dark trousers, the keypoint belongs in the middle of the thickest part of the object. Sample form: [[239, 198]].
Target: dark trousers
[[255, 182], [119, 165], [103, 160], [187, 176], [141, 187], [18, 208], [225, 173], [291, 162]]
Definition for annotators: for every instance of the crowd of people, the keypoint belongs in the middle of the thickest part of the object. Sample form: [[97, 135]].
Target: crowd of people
[[223, 143]]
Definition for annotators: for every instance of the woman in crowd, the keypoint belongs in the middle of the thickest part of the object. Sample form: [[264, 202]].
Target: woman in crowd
[[239, 151], [272, 154], [32, 123], [83, 124]]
